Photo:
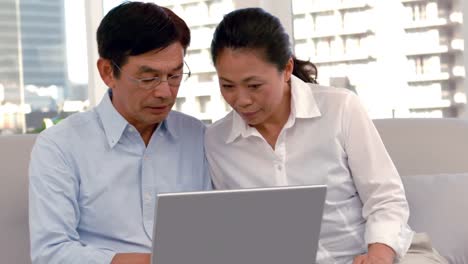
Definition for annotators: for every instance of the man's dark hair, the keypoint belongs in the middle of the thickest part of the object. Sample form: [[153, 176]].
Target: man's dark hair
[[134, 28]]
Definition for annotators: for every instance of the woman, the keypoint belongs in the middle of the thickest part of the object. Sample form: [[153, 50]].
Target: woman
[[286, 130]]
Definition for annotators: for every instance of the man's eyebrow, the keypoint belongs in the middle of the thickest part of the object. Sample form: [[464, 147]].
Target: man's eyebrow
[[178, 67], [148, 69]]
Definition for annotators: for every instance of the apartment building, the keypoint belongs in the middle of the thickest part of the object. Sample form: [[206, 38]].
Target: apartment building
[[32, 56], [199, 95], [404, 59]]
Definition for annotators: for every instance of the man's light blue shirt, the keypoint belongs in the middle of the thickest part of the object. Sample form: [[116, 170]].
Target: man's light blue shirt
[[93, 183]]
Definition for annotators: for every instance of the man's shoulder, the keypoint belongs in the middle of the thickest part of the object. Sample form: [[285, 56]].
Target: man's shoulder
[[183, 121], [70, 127]]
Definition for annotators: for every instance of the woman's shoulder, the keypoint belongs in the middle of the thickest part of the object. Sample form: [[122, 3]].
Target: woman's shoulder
[[331, 99], [330, 92], [333, 96], [221, 128]]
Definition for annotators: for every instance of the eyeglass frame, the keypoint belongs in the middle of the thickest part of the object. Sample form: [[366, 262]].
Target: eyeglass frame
[[168, 78]]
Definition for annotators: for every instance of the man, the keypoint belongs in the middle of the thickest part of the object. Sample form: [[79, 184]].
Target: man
[[94, 176]]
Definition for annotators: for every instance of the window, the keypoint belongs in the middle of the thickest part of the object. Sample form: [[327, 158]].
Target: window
[[418, 11], [418, 57], [196, 95], [203, 102], [43, 72], [179, 104], [44, 76]]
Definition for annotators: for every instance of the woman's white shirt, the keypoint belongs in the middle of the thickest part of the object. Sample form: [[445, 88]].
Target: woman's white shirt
[[328, 139]]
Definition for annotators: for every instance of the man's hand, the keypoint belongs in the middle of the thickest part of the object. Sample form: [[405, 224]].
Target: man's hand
[[131, 258], [377, 254]]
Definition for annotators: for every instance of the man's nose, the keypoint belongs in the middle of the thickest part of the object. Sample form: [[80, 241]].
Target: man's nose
[[163, 90]]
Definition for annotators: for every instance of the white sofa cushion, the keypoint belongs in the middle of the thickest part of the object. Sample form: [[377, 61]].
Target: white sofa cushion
[[439, 206], [14, 237]]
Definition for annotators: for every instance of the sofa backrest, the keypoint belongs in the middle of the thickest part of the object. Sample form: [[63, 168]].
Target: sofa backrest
[[431, 155], [14, 159], [426, 145]]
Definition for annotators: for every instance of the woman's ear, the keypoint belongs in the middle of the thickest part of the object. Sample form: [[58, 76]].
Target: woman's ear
[[106, 72], [288, 70]]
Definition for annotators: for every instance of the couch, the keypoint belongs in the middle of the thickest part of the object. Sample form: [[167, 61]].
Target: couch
[[430, 154], [14, 237]]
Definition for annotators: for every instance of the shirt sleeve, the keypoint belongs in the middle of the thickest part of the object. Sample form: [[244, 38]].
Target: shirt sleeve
[[54, 211], [218, 183], [377, 181], [208, 185]]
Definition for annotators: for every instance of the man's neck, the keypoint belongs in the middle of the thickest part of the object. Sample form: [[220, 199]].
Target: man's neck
[[146, 132]]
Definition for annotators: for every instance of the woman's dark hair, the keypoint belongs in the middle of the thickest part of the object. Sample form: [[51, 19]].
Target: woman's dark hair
[[254, 28], [134, 28]]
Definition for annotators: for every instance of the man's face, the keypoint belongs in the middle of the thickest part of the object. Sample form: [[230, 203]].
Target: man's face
[[143, 107]]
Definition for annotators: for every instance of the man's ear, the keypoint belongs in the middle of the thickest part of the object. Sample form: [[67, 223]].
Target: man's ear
[[106, 71]]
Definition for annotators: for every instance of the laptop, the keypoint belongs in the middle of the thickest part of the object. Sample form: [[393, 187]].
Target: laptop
[[276, 225]]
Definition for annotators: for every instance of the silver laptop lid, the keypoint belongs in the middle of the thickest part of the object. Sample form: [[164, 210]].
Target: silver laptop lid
[[263, 226]]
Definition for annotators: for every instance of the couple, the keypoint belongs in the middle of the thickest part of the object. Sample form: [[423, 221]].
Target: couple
[[94, 177]]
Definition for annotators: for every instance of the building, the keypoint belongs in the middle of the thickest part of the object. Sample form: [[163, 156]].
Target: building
[[404, 58], [199, 95], [32, 53]]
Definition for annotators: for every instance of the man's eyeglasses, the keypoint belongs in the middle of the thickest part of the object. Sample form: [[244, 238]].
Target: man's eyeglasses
[[150, 83]]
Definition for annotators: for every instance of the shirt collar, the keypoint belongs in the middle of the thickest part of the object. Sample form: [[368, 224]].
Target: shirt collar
[[169, 126], [114, 123], [303, 105], [239, 128]]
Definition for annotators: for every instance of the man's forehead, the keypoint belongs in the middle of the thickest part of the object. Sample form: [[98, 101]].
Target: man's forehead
[[155, 64], [160, 68], [170, 57]]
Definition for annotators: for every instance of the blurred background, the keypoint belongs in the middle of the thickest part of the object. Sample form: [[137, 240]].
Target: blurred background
[[404, 58]]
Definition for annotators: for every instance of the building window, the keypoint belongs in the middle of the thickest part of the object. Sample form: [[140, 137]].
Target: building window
[[352, 40], [44, 63], [418, 11], [179, 104], [203, 102]]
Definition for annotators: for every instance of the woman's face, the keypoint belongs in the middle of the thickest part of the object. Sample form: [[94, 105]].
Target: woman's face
[[253, 87]]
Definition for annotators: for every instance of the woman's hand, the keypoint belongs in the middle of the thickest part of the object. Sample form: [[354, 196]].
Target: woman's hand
[[377, 254], [131, 258]]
